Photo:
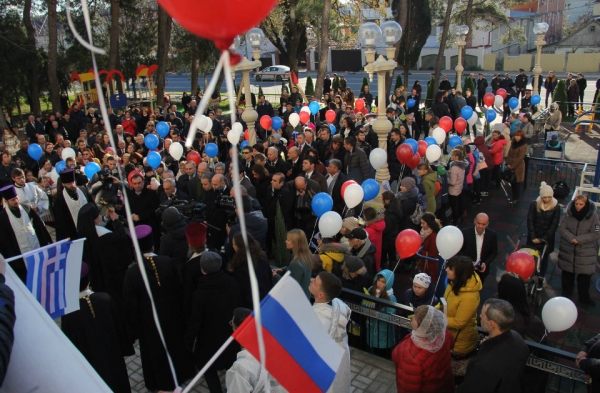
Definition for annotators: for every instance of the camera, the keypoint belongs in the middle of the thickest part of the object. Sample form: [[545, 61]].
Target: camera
[[194, 211], [226, 202]]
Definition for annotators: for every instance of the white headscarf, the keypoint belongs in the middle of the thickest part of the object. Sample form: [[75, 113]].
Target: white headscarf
[[431, 333]]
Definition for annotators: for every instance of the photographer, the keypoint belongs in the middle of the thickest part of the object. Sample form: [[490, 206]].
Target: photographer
[[256, 225], [105, 191], [218, 205]]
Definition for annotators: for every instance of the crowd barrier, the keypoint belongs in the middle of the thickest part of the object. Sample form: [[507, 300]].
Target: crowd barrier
[[552, 171]]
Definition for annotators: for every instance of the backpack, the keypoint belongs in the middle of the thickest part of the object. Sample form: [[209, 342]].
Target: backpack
[[420, 208], [441, 197]]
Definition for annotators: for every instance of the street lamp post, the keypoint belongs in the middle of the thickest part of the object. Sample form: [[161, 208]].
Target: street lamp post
[[369, 35], [460, 32], [254, 37], [540, 30]]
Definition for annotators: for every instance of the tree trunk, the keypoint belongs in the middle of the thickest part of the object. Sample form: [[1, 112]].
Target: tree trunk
[[324, 49], [3, 124], [113, 52], [294, 42], [165, 24], [402, 19], [53, 87], [194, 70], [34, 71], [440, 57], [468, 22]]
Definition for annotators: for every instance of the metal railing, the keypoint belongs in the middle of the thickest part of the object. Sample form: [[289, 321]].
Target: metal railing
[[552, 171], [376, 329]]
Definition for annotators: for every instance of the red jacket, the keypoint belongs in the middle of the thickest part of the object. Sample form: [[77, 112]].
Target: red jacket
[[375, 232], [420, 371], [497, 150]]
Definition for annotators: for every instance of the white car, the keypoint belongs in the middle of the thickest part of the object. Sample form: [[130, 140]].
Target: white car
[[276, 73]]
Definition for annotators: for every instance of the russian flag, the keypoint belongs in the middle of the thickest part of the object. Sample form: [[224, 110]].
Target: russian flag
[[300, 354]]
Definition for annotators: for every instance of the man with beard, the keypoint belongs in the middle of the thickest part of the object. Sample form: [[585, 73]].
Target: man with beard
[[143, 203], [22, 231], [67, 205], [31, 197]]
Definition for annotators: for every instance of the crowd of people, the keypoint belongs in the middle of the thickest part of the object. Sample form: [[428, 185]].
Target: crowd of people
[[194, 255]]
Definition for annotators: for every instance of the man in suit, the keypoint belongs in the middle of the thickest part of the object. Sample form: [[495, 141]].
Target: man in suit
[[302, 145], [281, 194], [356, 161], [189, 172], [243, 180], [335, 179], [274, 162], [480, 244], [295, 161], [308, 166], [413, 127], [34, 128], [482, 85], [170, 191], [248, 160]]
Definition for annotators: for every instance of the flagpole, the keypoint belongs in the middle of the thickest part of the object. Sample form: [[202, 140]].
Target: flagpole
[[207, 365], [28, 253]]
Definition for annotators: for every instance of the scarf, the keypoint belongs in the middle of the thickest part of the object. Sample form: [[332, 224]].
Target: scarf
[[541, 206], [424, 233], [580, 215]]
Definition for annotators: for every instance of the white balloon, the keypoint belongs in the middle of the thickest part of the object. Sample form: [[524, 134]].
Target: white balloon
[[498, 101], [176, 151], [54, 175], [558, 314], [305, 109], [330, 224], [294, 119], [68, 153], [473, 119], [208, 126], [378, 157], [238, 127], [234, 136], [449, 241], [433, 153], [439, 135], [353, 195], [200, 122]]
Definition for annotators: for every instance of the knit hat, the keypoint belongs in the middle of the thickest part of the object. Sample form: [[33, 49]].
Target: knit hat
[[546, 190], [350, 223], [210, 262], [408, 183], [353, 264], [422, 279], [170, 217], [196, 234], [358, 233], [554, 137]]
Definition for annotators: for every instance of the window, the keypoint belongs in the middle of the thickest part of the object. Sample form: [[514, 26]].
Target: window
[[592, 29]]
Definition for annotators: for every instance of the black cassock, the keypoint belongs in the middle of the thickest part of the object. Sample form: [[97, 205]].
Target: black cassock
[[167, 298], [101, 339], [64, 224], [9, 247]]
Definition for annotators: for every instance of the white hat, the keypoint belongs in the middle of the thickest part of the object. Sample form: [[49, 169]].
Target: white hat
[[422, 279]]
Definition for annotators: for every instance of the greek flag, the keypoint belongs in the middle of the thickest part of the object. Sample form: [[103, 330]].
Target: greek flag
[[53, 276]]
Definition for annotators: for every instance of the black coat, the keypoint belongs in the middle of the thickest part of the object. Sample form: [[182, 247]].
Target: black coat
[[392, 217], [140, 322], [279, 167], [440, 109], [394, 165], [101, 338], [64, 224], [208, 328], [191, 275], [357, 166], [285, 198], [320, 179], [264, 276], [145, 205], [542, 225], [263, 191], [368, 257], [336, 194], [489, 248], [7, 323], [174, 244], [590, 364]]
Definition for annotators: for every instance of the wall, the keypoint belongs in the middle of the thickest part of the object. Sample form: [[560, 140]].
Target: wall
[[553, 62], [489, 62], [513, 63], [583, 62]]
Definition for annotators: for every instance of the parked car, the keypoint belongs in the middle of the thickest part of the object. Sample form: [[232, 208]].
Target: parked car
[[277, 73]]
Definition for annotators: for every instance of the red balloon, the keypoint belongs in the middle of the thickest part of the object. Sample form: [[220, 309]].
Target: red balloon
[[345, 185], [193, 16], [501, 92], [460, 125], [521, 263], [330, 116], [414, 161], [446, 123], [359, 104], [193, 156], [488, 99], [247, 135], [422, 148], [408, 243], [265, 122], [404, 153], [305, 117]]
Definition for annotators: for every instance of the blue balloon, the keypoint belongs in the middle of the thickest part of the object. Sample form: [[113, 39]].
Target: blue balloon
[[466, 112], [35, 151], [153, 159], [321, 204], [151, 141], [513, 103], [276, 123], [454, 141], [370, 188], [314, 107], [413, 143], [536, 99], [244, 144], [60, 166], [430, 140], [490, 115], [162, 128], [90, 169], [211, 150], [294, 135], [333, 129], [410, 103]]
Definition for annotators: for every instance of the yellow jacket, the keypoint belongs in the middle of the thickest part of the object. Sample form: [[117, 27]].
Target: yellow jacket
[[462, 314]]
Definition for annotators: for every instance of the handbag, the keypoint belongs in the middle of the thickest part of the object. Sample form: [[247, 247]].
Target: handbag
[[460, 362], [509, 176]]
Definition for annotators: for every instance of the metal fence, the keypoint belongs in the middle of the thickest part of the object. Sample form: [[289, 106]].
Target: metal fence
[[552, 171], [378, 325]]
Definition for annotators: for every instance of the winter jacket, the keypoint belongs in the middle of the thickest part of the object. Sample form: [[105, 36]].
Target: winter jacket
[[357, 165], [332, 257], [367, 254], [418, 370], [591, 363], [506, 135], [550, 83], [394, 165], [456, 177], [573, 93], [392, 216], [480, 143], [375, 230], [580, 258], [428, 182], [542, 224], [7, 323], [497, 149], [408, 298], [462, 314], [174, 244], [527, 128], [382, 334], [514, 126], [408, 201], [472, 165], [516, 158]]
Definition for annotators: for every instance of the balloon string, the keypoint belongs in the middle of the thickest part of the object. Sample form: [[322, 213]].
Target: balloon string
[[438, 281], [130, 223]]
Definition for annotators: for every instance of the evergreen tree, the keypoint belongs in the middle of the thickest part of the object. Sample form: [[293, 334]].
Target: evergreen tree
[[280, 251], [284, 87], [429, 95], [365, 82], [399, 82], [560, 95], [469, 83], [335, 84], [260, 92], [310, 87]]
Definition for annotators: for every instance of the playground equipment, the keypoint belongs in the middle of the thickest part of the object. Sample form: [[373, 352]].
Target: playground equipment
[[145, 83], [86, 92]]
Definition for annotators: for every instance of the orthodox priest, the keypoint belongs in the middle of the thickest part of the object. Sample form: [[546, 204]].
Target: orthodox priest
[[22, 231], [67, 205], [30, 195]]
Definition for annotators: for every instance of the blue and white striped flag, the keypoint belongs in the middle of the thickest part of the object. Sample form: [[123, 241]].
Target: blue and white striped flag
[[53, 276]]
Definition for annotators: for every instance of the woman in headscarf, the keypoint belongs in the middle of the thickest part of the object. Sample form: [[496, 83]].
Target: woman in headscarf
[[422, 358]]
